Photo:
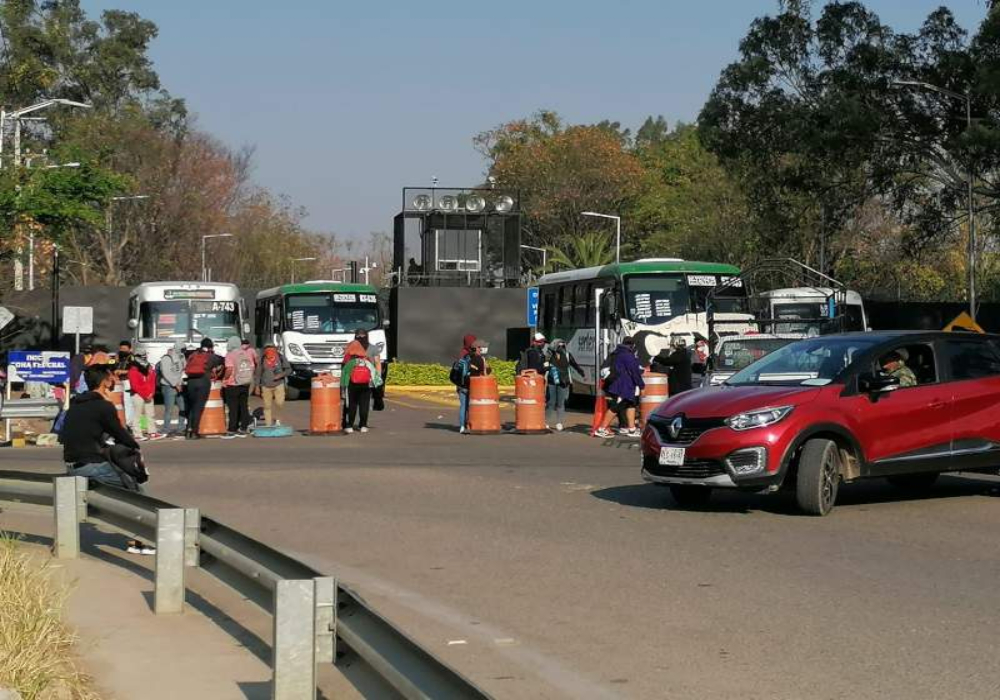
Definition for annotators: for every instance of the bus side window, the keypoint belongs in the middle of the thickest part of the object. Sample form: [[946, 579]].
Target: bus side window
[[566, 305], [260, 322], [548, 312], [588, 319], [276, 316], [580, 306]]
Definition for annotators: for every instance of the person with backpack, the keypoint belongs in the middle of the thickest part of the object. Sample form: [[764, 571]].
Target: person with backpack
[[622, 387], [534, 357], [272, 373], [241, 368], [142, 389], [358, 376], [170, 373], [203, 365], [472, 363], [558, 380]]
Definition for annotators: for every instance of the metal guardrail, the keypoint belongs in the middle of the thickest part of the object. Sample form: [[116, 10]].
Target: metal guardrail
[[313, 614], [29, 408]]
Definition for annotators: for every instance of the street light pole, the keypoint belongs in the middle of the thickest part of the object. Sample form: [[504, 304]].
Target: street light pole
[[971, 253], [618, 231], [204, 268], [543, 251]]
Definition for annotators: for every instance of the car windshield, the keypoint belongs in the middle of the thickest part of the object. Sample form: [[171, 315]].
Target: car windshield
[[737, 353], [653, 299], [813, 362], [331, 313]]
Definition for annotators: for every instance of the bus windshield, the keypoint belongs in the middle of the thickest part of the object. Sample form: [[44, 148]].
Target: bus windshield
[[176, 320], [323, 312], [652, 299]]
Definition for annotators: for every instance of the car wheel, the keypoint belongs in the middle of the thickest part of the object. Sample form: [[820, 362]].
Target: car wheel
[[819, 476], [689, 496], [913, 482]]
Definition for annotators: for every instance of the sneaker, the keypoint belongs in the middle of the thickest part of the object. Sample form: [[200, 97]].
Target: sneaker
[[157, 436], [348, 431], [559, 427], [147, 550], [229, 436], [603, 433], [461, 430], [624, 431], [137, 547], [141, 438], [364, 430], [635, 432]]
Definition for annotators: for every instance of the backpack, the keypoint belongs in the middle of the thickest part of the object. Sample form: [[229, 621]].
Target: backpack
[[360, 374], [460, 371], [244, 370], [608, 374], [197, 364]]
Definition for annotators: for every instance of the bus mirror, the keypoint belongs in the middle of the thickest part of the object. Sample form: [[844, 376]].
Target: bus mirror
[[386, 323], [133, 324]]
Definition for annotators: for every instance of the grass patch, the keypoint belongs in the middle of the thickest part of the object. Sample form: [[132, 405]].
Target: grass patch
[[36, 649]]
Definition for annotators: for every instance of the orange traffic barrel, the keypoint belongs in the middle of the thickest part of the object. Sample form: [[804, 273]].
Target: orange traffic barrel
[[213, 418], [529, 403], [484, 405], [654, 393], [118, 399], [325, 416]]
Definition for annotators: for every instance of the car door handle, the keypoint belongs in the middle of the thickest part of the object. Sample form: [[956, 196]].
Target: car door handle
[[936, 404]]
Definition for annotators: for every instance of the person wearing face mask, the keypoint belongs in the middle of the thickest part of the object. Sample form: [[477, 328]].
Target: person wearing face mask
[[142, 389], [272, 373]]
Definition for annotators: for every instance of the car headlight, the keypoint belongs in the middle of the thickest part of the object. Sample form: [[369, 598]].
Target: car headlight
[[294, 349], [758, 419]]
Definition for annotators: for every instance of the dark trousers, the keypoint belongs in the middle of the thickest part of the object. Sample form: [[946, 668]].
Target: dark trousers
[[359, 398], [237, 400], [197, 397]]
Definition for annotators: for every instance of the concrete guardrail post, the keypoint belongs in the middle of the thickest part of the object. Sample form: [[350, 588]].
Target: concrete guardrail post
[[70, 497], [294, 646], [168, 592], [326, 619]]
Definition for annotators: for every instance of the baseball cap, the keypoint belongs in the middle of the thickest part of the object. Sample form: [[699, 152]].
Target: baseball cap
[[539, 337]]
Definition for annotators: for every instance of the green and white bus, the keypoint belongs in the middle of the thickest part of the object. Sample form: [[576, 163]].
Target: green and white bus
[[653, 300], [312, 323]]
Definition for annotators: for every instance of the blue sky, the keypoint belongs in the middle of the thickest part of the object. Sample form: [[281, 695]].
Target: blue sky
[[347, 102]]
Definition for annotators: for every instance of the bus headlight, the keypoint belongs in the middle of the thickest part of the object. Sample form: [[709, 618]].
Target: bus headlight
[[294, 349]]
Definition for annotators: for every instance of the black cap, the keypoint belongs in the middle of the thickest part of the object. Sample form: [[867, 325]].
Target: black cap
[[207, 343]]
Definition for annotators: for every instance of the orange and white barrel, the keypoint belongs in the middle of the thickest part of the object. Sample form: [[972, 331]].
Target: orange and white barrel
[[653, 394], [529, 403], [484, 405], [213, 418], [325, 416]]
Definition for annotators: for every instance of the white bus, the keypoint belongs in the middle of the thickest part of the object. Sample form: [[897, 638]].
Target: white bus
[[312, 322], [808, 310], [162, 313]]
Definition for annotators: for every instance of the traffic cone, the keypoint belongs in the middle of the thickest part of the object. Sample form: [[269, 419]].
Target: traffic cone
[[600, 408]]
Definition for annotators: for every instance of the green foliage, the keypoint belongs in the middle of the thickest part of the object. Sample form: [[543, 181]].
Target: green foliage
[[415, 374], [590, 249]]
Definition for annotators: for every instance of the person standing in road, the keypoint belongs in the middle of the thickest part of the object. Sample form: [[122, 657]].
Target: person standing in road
[[534, 357], [622, 391], [142, 389], [123, 363], [558, 381], [676, 364], [272, 373], [170, 373], [241, 367], [358, 376], [203, 365]]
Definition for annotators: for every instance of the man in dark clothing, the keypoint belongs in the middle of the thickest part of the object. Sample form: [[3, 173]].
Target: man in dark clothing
[[534, 356], [91, 417], [77, 364], [203, 365], [676, 364]]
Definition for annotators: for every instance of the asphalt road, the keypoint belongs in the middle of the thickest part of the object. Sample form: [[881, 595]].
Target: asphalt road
[[542, 566]]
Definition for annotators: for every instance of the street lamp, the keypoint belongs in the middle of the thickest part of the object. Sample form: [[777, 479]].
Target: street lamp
[[965, 97], [618, 231], [204, 269], [18, 114], [543, 251], [295, 260]]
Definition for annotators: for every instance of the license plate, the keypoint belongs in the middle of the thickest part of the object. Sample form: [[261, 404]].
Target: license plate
[[672, 456]]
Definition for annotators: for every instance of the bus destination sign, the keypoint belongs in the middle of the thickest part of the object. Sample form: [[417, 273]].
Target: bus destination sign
[[189, 294]]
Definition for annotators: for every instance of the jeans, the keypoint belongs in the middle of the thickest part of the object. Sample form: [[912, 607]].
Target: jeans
[[172, 398], [359, 398], [98, 471], [273, 396], [463, 407], [237, 398], [555, 402], [197, 397]]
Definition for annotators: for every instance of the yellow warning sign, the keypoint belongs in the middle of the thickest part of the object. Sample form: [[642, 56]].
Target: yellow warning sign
[[964, 322]]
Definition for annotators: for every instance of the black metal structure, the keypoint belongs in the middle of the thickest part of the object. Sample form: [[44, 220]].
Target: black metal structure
[[457, 237]]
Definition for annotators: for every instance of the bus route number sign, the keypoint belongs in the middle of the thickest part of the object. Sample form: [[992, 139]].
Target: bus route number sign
[[344, 298]]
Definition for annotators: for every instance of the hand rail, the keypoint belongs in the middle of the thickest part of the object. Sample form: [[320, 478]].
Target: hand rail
[[311, 611]]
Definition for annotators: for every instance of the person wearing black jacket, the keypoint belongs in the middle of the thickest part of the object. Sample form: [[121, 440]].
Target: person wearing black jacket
[[92, 418], [559, 380], [676, 364]]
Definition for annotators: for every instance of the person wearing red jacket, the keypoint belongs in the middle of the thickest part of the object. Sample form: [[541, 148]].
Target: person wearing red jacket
[[142, 387]]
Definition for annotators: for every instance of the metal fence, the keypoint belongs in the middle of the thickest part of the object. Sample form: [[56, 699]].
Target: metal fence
[[314, 616]]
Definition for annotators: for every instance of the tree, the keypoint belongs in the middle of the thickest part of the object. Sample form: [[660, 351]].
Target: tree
[[591, 249]]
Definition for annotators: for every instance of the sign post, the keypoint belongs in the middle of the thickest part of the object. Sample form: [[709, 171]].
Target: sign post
[[78, 320]]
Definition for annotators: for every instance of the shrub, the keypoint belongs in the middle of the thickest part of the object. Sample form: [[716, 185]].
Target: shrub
[[416, 374]]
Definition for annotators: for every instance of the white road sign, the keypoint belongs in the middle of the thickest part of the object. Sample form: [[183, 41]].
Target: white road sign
[[78, 319], [5, 317]]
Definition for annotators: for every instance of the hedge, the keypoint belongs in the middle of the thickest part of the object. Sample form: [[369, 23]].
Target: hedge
[[415, 374]]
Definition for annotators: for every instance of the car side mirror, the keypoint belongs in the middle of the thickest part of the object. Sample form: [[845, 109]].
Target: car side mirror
[[133, 324], [877, 382]]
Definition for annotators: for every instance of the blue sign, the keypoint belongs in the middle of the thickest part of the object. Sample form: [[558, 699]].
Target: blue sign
[[532, 306], [39, 366], [831, 308]]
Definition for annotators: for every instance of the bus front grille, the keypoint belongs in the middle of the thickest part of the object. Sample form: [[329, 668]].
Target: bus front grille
[[325, 351]]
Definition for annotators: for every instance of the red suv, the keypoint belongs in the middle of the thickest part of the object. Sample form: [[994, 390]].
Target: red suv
[[832, 409]]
